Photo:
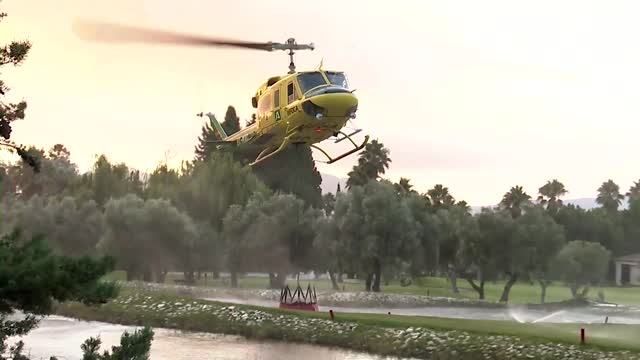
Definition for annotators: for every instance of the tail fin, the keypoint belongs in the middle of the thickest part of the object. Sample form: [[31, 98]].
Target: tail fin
[[216, 124]]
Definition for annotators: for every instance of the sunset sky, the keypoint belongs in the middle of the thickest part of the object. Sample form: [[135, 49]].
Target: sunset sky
[[476, 95]]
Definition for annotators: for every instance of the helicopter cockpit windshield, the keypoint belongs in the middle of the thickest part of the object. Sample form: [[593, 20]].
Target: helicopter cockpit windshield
[[337, 78], [310, 81]]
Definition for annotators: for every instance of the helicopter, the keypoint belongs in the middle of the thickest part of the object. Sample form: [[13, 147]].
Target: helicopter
[[300, 107]]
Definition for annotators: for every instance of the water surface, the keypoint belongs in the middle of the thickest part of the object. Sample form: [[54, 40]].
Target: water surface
[[62, 337]]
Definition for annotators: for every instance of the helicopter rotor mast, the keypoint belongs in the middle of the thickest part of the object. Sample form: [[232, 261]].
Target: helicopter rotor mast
[[292, 45], [113, 33]]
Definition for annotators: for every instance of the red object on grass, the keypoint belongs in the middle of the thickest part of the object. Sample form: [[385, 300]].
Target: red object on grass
[[299, 300], [582, 336], [299, 306]]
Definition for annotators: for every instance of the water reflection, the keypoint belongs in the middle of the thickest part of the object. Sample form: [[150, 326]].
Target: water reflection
[[62, 337]]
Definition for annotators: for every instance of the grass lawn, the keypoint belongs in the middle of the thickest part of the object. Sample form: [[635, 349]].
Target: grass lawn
[[501, 337], [521, 293]]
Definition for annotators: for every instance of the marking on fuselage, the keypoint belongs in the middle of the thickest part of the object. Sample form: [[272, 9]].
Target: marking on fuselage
[[293, 110]]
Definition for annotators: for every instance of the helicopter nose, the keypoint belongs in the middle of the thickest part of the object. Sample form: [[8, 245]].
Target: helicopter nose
[[336, 104]]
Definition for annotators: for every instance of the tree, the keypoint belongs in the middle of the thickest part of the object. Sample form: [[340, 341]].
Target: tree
[[134, 346], [212, 186], [631, 224], [609, 196], [377, 228], [59, 175], [464, 206], [206, 140], [13, 54], [425, 256], [327, 248], [59, 151], [487, 249], [148, 237], [72, 227], [580, 264], [107, 181], [251, 121], [373, 161], [163, 183], [24, 262], [68, 279], [231, 123], [453, 227], [403, 186], [283, 236], [539, 239], [328, 203], [209, 135], [293, 171], [206, 193], [634, 191], [515, 200], [440, 197], [550, 194], [596, 225]]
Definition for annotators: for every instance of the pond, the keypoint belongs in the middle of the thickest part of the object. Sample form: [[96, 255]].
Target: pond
[[62, 337]]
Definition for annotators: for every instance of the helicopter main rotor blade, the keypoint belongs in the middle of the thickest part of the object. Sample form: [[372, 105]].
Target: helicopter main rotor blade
[[113, 33]]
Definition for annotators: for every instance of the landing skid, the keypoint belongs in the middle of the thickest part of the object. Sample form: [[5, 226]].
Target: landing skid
[[270, 151], [354, 150]]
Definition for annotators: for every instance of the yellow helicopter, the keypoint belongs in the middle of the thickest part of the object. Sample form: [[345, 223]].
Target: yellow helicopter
[[301, 107]]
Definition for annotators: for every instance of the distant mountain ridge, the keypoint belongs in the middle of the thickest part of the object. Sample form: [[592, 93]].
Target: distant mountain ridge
[[330, 183], [585, 203]]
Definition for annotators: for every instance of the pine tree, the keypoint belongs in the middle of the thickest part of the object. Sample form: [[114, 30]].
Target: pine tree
[[209, 134], [205, 145], [23, 264], [231, 123], [293, 171], [13, 54]]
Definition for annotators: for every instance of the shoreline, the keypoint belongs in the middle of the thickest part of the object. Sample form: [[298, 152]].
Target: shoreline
[[381, 335]]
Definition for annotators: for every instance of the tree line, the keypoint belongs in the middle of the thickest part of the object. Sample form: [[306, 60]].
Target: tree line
[[216, 214]]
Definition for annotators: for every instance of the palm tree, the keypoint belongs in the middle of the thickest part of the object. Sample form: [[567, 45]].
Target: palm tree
[[609, 196], [514, 200], [634, 191], [404, 187], [464, 205], [374, 160], [550, 194], [440, 196]]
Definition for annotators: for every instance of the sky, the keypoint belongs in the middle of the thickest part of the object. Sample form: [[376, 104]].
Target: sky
[[478, 96]]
